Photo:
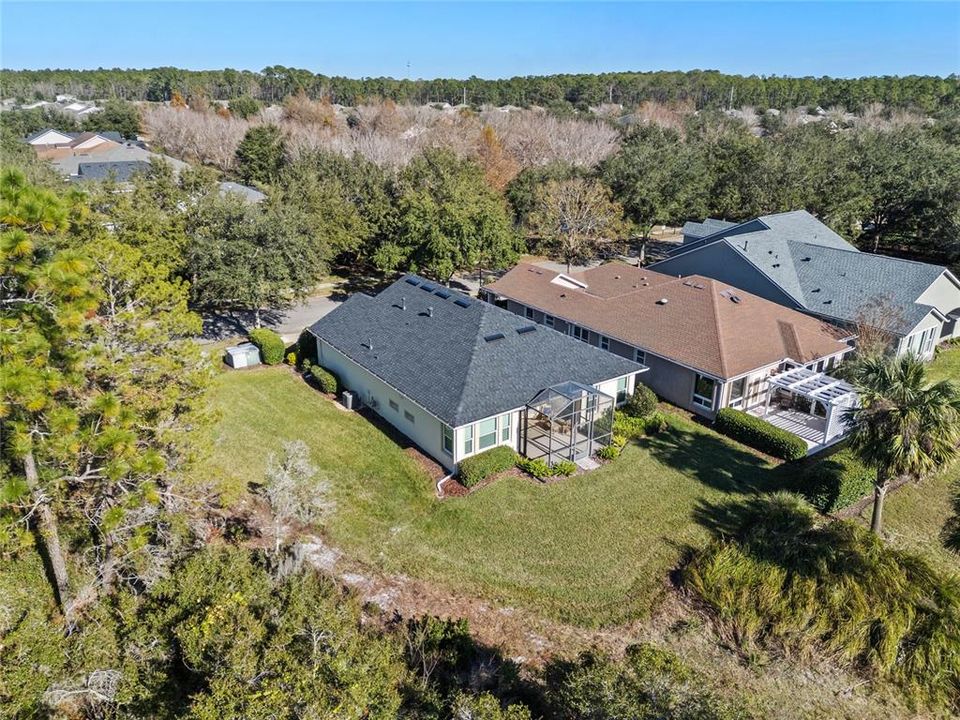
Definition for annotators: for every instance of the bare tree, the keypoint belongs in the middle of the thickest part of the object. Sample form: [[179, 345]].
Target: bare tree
[[574, 215], [877, 322], [293, 491]]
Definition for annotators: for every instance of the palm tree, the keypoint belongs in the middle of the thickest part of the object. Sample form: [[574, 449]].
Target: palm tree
[[904, 425]]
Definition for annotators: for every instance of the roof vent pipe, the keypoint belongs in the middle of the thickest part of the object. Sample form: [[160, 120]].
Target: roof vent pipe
[[403, 303], [662, 301], [430, 311]]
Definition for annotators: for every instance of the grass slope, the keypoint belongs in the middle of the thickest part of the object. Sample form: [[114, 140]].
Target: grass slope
[[591, 550], [920, 517]]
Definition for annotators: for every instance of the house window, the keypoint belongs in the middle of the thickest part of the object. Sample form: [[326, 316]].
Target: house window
[[505, 428], [394, 406], [928, 345], [548, 320], [468, 440], [487, 432], [820, 366], [737, 388], [408, 416], [604, 343], [580, 333], [703, 389], [639, 356], [447, 440], [621, 390], [528, 313]]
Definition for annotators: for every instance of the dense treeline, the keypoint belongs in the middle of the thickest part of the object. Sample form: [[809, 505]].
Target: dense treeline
[[704, 89]]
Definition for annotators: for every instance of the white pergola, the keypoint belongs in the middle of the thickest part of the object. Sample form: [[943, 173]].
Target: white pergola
[[831, 392]]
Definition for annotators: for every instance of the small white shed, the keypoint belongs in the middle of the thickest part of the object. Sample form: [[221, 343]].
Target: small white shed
[[242, 355]]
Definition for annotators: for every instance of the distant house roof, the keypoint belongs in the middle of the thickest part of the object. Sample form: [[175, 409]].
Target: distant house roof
[[822, 272], [695, 321], [248, 193], [707, 227], [49, 136], [465, 359], [122, 171], [69, 164]]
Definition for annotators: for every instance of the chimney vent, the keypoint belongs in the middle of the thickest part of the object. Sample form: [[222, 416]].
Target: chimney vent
[[662, 301]]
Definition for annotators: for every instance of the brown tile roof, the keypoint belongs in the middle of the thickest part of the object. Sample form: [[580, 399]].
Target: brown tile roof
[[705, 324]]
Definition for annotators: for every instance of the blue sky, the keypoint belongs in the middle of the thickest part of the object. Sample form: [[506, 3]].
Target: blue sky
[[488, 40]]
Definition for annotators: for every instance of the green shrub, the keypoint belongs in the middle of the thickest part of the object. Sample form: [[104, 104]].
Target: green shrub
[[758, 433], [838, 481], [642, 403], [307, 349], [325, 379], [789, 584], [564, 468], [629, 427], [479, 467], [654, 424], [270, 345], [618, 441], [609, 452], [292, 359], [538, 467]]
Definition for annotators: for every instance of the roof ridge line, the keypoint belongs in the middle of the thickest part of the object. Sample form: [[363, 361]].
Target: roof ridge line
[[716, 325]]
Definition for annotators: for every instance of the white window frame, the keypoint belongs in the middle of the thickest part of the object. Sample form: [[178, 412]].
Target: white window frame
[[604, 342], [409, 417], [580, 333], [625, 381], [640, 356], [481, 435], [549, 320], [468, 440], [702, 400], [394, 405], [528, 312], [446, 437], [505, 428], [738, 401]]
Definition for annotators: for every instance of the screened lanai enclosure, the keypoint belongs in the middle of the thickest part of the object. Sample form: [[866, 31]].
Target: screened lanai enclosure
[[568, 421]]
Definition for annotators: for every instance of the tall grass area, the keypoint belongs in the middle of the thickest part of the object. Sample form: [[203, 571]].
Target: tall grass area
[[790, 587]]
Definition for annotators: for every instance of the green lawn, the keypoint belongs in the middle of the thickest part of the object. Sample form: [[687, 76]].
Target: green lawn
[[919, 517], [593, 550]]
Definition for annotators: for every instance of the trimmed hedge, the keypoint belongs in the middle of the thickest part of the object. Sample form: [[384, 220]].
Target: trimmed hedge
[[643, 402], [838, 481], [759, 434], [307, 349], [479, 467], [270, 345], [325, 379]]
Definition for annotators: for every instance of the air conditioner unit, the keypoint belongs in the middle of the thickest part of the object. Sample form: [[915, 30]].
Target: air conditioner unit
[[348, 399]]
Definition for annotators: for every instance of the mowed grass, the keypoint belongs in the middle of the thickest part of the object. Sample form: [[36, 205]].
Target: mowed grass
[[592, 550], [921, 517]]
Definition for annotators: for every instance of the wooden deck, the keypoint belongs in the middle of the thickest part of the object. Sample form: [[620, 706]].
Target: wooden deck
[[811, 429]]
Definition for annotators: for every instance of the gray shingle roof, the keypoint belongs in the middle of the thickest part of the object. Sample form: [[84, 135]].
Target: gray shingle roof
[[462, 363], [824, 273], [836, 282], [707, 227], [121, 171], [796, 225]]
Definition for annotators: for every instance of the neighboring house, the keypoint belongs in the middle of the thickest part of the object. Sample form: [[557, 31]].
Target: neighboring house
[[251, 195], [459, 376], [68, 161], [693, 231], [49, 138], [122, 171], [795, 260], [708, 345]]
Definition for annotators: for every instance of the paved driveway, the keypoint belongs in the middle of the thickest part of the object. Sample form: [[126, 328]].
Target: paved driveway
[[288, 323]]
